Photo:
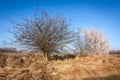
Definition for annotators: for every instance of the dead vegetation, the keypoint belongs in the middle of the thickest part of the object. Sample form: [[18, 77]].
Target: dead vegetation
[[33, 67]]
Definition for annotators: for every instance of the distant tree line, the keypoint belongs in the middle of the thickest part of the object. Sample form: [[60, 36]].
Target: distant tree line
[[114, 52], [4, 50]]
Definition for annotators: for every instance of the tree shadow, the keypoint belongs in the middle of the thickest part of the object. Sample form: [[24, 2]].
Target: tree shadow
[[111, 77], [61, 57]]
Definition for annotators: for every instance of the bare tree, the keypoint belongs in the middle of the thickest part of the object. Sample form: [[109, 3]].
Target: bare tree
[[81, 45], [98, 44], [43, 32], [90, 42]]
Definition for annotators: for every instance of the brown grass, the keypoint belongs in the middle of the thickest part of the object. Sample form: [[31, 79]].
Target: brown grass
[[33, 67]]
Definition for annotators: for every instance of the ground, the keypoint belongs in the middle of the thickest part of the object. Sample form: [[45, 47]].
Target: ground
[[34, 67]]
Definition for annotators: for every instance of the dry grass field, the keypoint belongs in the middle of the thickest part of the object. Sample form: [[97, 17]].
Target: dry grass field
[[33, 67]]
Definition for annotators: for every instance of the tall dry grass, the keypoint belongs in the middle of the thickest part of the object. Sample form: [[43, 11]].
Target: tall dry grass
[[34, 67]]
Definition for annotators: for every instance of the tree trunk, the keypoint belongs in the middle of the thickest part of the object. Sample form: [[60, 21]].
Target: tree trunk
[[46, 56]]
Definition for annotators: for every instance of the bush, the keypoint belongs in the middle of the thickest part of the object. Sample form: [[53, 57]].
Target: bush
[[91, 42]]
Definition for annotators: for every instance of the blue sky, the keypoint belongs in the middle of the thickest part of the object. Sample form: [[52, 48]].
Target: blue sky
[[103, 15]]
